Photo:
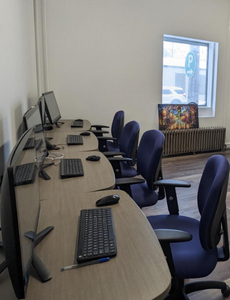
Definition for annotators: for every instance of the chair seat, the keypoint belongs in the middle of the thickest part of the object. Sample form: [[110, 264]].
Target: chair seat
[[127, 171], [143, 196], [190, 259], [112, 146]]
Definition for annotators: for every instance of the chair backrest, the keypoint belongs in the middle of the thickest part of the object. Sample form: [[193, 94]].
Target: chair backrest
[[149, 156], [129, 140], [212, 201], [117, 125]]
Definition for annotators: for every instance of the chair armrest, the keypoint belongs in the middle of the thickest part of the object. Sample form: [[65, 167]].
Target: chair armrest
[[99, 132], [106, 138], [124, 183], [172, 183], [99, 127], [113, 153], [170, 191], [172, 235], [120, 159], [129, 181], [167, 236]]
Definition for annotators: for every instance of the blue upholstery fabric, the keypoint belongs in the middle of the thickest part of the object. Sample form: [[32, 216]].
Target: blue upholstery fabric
[[198, 257], [128, 137], [148, 163], [127, 170], [143, 196], [190, 259], [149, 155], [117, 126], [112, 146], [211, 183]]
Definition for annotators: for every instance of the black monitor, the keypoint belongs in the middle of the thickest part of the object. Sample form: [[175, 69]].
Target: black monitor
[[41, 105], [20, 207], [51, 107], [33, 118]]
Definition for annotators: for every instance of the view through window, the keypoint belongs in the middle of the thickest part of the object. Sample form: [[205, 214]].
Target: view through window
[[189, 71]]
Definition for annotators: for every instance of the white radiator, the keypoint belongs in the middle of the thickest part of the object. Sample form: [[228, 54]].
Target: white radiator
[[194, 140]]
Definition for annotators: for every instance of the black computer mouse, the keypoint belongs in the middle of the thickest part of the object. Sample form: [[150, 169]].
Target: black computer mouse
[[108, 200], [85, 133], [48, 127], [93, 158]]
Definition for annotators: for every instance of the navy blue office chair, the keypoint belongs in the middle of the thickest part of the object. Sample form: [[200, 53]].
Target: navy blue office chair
[[194, 247], [143, 190], [116, 128], [128, 150]]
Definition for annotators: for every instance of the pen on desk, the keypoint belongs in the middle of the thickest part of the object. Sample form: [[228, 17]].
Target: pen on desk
[[92, 262]]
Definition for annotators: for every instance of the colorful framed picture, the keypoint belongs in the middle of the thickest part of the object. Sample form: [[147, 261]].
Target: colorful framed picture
[[178, 116]]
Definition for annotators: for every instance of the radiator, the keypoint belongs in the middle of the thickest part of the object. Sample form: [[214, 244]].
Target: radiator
[[194, 140]]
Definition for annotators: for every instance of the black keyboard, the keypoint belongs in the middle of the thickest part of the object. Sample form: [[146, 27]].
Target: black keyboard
[[29, 144], [71, 167], [38, 144], [25, 174], [38, 128], [96, 236], [77, 123], [74, 140]]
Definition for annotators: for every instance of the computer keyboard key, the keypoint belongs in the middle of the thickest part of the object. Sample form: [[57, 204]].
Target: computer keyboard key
[[74, 140], [77, 123], [71, 167], [96, 239], [29, 144], [25, 174]]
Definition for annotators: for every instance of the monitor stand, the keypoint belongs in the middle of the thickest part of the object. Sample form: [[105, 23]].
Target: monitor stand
[[43, 174], [59, 123], [37, 263]]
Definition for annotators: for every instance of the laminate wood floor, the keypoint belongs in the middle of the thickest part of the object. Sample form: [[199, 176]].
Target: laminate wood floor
[[189, 168]]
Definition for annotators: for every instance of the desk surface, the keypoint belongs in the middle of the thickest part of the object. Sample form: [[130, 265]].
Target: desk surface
[[66, 126], [98, 175], [139, 271], [59, 138]]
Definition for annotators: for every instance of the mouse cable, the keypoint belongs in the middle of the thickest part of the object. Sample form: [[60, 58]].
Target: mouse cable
[[55, 155]]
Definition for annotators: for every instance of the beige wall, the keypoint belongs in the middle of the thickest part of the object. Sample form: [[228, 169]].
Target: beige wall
[[106, 55], [100, 56], [17, 70]]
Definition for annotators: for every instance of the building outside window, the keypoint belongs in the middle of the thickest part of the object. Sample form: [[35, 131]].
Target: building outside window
[[190, 72]]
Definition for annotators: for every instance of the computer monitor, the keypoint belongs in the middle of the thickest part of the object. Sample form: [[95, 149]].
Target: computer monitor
[[33, 118], [20, 207], [51, 107], [41, 105]]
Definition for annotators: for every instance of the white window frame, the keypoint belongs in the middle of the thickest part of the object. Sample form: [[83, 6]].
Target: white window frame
[[209, 109]]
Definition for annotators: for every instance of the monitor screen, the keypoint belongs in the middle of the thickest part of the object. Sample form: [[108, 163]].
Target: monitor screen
[[51, 107], [20, 208], [33, 118]]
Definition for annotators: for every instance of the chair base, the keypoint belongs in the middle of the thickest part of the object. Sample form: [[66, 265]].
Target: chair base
[[181, 293]]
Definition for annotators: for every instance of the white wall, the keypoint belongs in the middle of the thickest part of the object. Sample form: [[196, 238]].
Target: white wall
[[106, 55], [17, 70]]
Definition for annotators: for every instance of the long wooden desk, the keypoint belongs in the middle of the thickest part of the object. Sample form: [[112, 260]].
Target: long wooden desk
[[66, 126], [59, 138], [98, 175], [139, 271]]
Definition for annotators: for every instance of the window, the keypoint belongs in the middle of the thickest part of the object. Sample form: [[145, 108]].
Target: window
[[190, 72]]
